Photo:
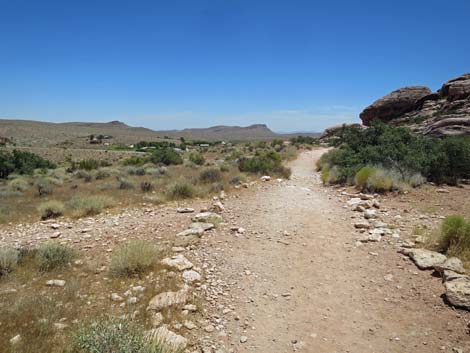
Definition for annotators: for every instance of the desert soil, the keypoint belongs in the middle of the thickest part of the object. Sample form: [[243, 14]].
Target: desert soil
[[295, 278]]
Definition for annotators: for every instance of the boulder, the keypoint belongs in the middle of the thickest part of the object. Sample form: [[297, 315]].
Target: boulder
[[457, 88], [426, 259], [202, 225], [168, 339], [394, 104], [458, 292], [451, 264]]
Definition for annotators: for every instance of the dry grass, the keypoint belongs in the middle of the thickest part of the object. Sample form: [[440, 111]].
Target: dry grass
[[134, 258]]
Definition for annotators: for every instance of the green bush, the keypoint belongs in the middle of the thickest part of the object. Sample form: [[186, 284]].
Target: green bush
[[134, 258], [454, 237], [197, 158], [88, 164], [50, 256], [8, 259], [363, 176], [51, 209], [21, 162], [102, 174], [211, 175], [114, 336], [134, 161], [89, 206], [182, 189], [263, 162], [166, 156], [398, 149], [124, 184]]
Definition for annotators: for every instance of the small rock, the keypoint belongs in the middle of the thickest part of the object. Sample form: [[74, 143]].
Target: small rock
[[243, 339], [55, 283]]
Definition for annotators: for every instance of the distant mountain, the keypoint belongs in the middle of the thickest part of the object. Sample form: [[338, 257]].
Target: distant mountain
[[75, 134], [221, 132]]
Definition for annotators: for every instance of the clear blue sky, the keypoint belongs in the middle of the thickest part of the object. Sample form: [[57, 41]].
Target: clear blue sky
[[294, 65]]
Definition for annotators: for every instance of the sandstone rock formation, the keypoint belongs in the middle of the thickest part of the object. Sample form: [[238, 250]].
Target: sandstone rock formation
[[394, 104], [443, 113]]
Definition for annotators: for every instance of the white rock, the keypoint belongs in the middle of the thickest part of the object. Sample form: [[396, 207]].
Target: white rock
[[265, 178], [178, 262], [167, 299], [426, 259], [458, 292], [191, 231], [243, 339], [156, 319], [55, 283], [207, 217], [116, 297], [167, 338], [451, 264], [191, 276], [15, 340], [185, 210], [202, 225]]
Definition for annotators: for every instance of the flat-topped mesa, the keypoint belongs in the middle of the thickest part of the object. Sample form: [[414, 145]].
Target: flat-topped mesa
[[394, 104]]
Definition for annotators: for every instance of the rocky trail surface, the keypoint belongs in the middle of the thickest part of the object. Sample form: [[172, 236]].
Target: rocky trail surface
[[298, 279]]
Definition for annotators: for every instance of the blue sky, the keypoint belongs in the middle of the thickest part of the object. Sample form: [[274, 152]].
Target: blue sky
[[294, 65]]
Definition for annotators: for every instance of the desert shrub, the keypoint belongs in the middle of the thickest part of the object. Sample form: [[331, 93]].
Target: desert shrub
[[166, 156], [8, 259], [224, 168], [146, 186], [330, 176], [362, 177], [51, 209], [284, 172], [102, 174], [197, 158], [263, 162], [181, 189], [416, 180], [50, 256], [153, 171], [133, 258], [211, 175], [111, 335], [380, 181], [235, 180], [88, 164], [217, 187], [83, 174], [155, 200], [135, 171], [124, 184], [453, 238], [134, 161], [6, 193], [44, 187], [18, 184], [89, 206], [21, 162], [398, 149]]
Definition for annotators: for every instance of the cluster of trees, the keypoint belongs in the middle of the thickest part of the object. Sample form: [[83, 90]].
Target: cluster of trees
[[21, 162]]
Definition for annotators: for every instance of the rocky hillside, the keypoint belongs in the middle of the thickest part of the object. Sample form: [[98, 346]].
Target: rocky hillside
[[438, 114]]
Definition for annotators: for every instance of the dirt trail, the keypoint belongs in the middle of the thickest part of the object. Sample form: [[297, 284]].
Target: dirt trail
[[298, 282]]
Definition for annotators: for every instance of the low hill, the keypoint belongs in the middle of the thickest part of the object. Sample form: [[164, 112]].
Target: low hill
[[76, 134]]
